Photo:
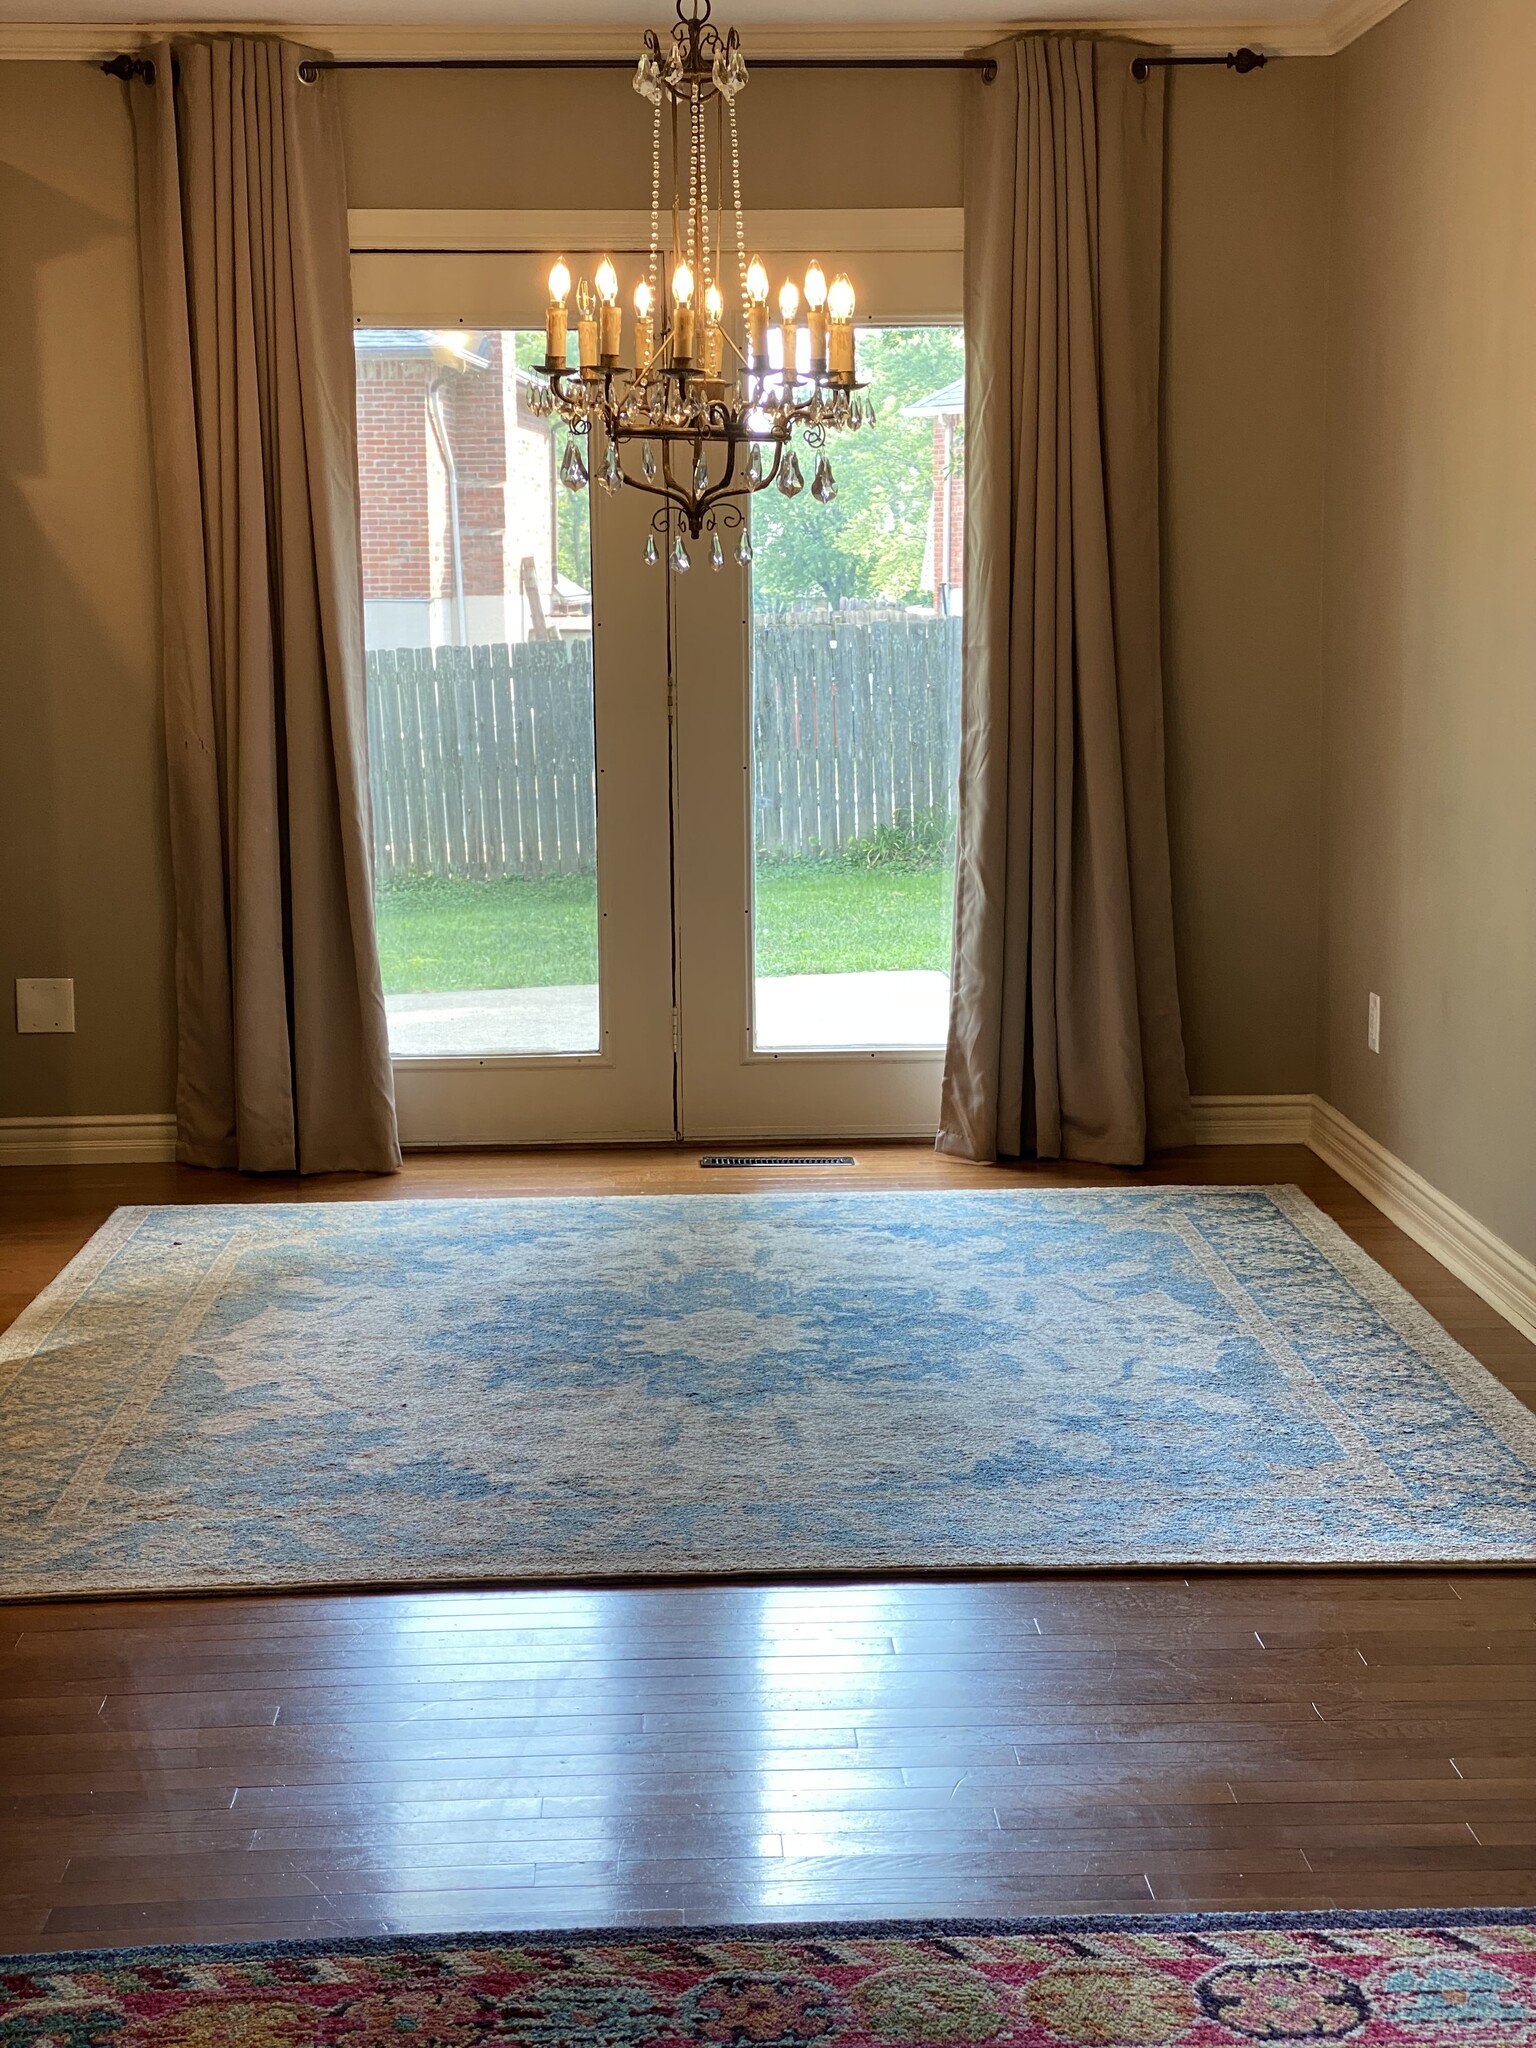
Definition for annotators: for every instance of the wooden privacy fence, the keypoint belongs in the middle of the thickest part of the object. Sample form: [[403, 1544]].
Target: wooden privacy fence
[[481, 758], [855, 725]]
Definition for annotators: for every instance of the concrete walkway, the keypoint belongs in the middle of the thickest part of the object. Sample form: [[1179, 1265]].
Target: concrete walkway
[[795, 1012], [801, 1012]]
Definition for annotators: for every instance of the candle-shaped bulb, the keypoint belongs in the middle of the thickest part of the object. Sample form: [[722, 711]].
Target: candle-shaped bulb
[[609, 320], [645, 298], [714, 342], [559, 283], [757, 316], [682, 315], [816, 315], [840, 350], [789, 301]]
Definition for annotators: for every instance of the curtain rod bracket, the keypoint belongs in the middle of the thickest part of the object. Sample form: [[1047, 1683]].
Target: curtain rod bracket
[[1241, 61], [129, 68]]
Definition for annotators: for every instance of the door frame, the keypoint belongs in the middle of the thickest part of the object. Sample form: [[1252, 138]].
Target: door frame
[[626, 1091], [729, 1089], [665, 898]]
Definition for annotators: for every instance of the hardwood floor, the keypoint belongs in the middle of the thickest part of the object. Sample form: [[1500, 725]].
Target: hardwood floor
[[246, 1767]]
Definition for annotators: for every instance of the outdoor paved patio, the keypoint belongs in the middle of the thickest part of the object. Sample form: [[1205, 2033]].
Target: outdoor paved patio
[[795, 1012]]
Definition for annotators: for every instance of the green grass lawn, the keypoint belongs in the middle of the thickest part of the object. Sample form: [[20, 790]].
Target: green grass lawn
[[813, 917]]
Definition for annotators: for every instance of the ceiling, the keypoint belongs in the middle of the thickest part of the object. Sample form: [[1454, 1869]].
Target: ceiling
[[63, 27]]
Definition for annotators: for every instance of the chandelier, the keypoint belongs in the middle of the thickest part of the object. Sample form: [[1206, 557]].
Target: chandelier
[[696, 418]]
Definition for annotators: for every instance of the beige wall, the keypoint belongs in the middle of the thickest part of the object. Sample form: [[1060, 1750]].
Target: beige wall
[[81, 788], [1245, 352], [83, 881], [1430, 602], [520, 139]]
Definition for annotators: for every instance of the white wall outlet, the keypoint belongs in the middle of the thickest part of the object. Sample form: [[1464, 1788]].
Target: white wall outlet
[[1373, 1024], [46, 1004]]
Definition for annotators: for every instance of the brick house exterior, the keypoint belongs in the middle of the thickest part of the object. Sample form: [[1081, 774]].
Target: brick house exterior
[[443, 425], [944, 549]]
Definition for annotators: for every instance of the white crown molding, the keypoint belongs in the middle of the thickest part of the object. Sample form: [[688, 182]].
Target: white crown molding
[[44, 41], [1347, 20], [1490, 1267], [1330, 29], [84, 1140]]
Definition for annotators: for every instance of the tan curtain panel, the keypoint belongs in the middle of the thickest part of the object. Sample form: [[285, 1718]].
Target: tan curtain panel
[[1065, 1039], [283, 1057]]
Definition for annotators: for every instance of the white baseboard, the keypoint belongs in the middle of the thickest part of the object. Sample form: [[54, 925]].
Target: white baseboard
[[1253, 1119], [1503, 1277], [86, 1140]]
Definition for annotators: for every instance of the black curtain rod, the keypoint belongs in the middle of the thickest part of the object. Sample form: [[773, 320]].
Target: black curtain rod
[[987, 66], [1241, 61], [142, 68], [130, 67]]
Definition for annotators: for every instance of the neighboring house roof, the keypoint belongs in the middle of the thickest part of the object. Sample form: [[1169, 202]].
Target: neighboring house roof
[[939, 404], [393, 343]]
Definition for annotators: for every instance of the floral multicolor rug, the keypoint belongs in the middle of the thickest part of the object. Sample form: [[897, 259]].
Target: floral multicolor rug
[[427, 1392], [1372, 1979]]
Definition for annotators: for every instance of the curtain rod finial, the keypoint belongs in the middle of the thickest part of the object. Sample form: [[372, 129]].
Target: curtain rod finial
[[1241, 61], [129, 68]]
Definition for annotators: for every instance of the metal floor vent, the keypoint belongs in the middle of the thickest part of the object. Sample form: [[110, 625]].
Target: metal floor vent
[[778, 1159]]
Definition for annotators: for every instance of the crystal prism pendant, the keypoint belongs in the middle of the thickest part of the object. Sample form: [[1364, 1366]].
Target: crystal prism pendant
[[716, 552], [573, 471], [744, 549], [648, 461], [824, 483], [650, 551], [755, 468], [680, 561], [701, 473], [791, 476], [613, 476]]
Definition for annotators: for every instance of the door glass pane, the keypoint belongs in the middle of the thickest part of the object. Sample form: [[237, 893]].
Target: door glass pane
[[856, 621], [477, 588]]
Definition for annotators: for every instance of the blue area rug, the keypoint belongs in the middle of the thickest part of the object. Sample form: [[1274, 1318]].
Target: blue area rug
[[409, 1392]]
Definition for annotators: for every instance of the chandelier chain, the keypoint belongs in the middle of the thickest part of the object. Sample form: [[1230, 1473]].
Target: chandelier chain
[[707, 436], [741, 226], [653, 271]]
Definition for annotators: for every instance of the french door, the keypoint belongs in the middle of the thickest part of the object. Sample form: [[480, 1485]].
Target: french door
[[815, 749], [659, 853]]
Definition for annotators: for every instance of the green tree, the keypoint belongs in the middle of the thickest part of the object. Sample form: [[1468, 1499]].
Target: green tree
[[573, 518], [869, 543]]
